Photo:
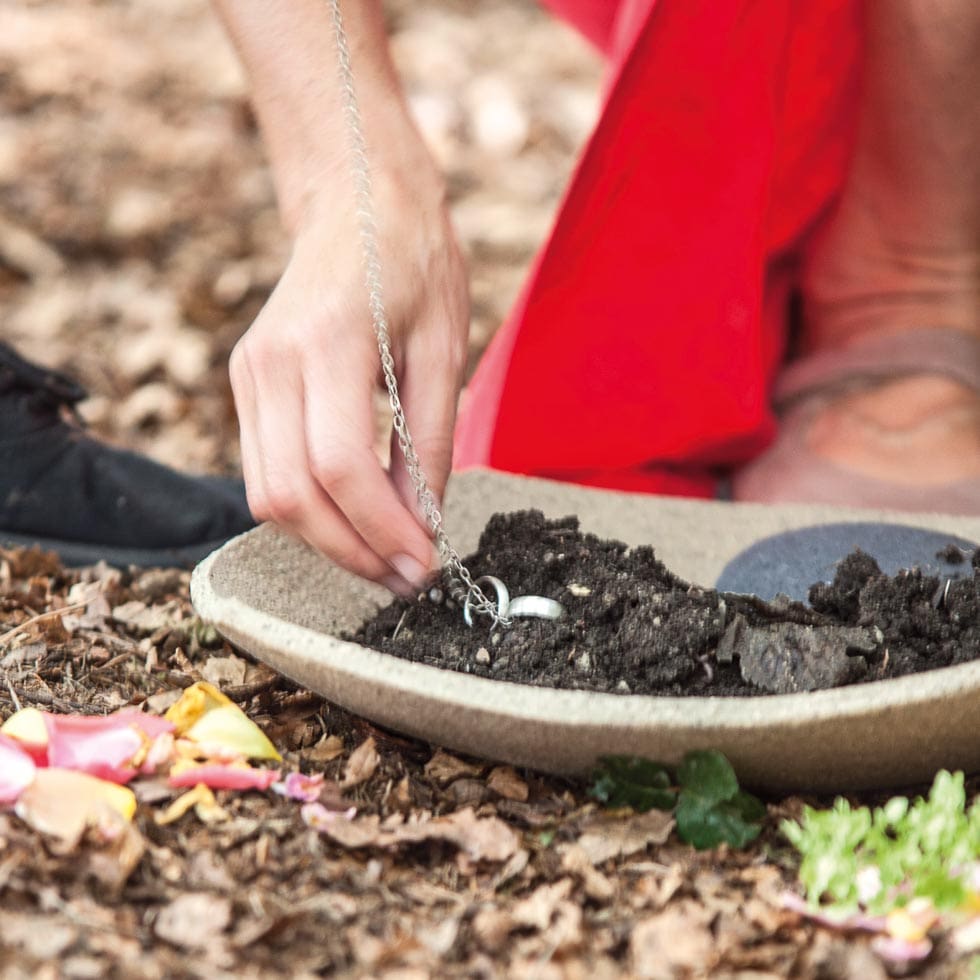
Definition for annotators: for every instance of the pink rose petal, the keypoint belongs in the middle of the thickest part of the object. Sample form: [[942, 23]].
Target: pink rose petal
[[317, 816], [899, 951], [17, 770], [102, 746], [224, 777], [297, 786], [160, 754], [858, 921], [150, 725]]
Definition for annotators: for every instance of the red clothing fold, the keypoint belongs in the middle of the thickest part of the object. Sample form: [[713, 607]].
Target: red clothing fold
[[644, 346]]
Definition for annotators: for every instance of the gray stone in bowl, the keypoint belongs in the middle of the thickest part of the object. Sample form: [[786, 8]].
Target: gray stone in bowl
[[790, 562], [283, 603]]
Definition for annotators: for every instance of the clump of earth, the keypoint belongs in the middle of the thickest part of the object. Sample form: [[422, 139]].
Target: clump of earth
[[631, 626]]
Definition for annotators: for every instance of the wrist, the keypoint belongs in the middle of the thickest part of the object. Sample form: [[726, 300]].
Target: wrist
[[317, 185]]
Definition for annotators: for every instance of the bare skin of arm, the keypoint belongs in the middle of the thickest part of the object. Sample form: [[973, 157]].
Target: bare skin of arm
[[305, 372]]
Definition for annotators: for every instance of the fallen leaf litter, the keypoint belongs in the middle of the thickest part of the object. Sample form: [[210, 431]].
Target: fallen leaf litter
[[372, 852], [136, 271]]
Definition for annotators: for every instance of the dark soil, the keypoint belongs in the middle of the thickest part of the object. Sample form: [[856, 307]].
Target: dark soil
[[633, 627]]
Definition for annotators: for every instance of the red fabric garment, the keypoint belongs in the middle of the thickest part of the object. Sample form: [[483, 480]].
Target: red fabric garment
[[642, 351]]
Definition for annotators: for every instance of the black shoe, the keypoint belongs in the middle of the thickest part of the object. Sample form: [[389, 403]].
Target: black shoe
[[87, 501]]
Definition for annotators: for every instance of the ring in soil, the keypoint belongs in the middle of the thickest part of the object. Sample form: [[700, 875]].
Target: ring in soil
[[535, 605], [503, 599]]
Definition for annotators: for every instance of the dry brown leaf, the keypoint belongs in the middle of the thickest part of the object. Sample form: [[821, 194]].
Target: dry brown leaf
[[440, 936], [95, 607], [159, 703], [193, 920], [382, 953], [23, 250], [443, 768], [715, 893], [504, 781], [401, 796], [535, 967], [613, 837], [467, 792], [480, 838], [144, 619], [41, 937], [492, 926], [113, 863], [157, 584], [658, 886], [326, 750], [362, 764], [546, 910], [832, 956], [362, 832], [537, 909], [575, 860], [565, 932], [675, 942], [514, 866], [224, 671]]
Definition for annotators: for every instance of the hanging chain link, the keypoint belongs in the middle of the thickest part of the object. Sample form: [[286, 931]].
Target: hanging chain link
[[460, 583]]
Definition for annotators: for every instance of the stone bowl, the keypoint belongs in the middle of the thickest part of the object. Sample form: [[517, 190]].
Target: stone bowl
[[288, 606]]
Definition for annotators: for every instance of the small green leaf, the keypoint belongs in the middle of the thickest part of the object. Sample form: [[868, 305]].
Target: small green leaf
[[750, 807], [627, 780], [705, 826], [709, 775], [710, 808]]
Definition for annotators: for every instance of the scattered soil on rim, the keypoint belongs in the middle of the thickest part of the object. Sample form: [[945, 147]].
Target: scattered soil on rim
[[633, 627]]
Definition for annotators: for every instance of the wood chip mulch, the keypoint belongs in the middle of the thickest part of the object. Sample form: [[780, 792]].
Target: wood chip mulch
[[524, 876]]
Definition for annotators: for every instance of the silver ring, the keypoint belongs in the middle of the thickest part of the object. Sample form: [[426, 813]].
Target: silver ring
[[535, 605], [503, 599]]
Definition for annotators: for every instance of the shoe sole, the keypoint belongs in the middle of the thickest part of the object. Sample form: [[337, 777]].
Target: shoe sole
[[78, 554]]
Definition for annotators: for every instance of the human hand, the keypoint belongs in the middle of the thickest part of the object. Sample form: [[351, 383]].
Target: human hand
[[304, 375]]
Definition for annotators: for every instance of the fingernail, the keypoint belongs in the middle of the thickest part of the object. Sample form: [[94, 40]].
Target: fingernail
[[411, 570], [398, 585]]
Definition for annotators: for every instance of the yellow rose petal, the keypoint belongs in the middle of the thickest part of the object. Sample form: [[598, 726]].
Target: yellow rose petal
[[229, 729], [62, 803], [912, 923], [206, 807], [194, 703], [27, 725]]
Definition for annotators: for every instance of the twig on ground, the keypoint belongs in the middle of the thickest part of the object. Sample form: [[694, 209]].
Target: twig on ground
[[11, 633]]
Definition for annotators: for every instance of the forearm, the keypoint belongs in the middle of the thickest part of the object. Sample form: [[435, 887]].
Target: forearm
[[289, 51]]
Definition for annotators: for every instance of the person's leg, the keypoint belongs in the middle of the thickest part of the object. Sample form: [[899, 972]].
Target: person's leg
[[902, 251]]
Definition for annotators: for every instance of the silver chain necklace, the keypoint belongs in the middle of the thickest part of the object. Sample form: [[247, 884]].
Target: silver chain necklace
[[461, 585]]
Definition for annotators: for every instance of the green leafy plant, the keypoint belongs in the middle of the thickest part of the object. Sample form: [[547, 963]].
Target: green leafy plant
[[704, 795], [877, 860]]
